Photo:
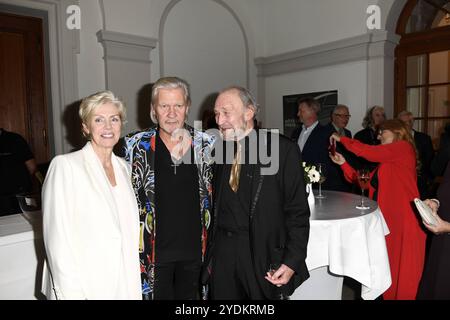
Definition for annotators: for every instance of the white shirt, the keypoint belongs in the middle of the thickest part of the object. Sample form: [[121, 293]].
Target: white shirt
[[304, 135]]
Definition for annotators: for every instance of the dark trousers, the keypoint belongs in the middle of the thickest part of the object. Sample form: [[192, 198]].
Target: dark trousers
[[233, 276], [177, 280]]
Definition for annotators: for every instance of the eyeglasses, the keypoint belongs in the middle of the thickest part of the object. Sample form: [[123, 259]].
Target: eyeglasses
[[347, 116]]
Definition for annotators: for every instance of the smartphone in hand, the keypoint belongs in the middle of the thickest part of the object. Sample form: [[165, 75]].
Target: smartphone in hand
[[332, 148]]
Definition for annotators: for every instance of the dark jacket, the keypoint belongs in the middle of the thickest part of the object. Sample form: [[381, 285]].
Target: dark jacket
[[278, 217], [315, 150], [370, 137], [439, 163], [335, 176], [424, 147]]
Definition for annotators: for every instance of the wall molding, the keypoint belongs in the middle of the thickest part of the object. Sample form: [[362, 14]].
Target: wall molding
[[363, 47], [126, 47]]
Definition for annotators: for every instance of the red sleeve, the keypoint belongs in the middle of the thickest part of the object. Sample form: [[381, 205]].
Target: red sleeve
[[379, 153], [349, 173]]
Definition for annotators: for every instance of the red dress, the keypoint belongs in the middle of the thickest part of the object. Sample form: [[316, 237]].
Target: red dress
[[397, 187]]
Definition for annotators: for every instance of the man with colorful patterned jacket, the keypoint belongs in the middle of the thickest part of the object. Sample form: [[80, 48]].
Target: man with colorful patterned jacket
[[171, 177]]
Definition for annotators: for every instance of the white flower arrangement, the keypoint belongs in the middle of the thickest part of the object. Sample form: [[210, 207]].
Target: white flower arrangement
[[310, 173]]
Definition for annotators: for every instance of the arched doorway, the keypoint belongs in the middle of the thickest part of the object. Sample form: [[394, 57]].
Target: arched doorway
[[422, 67]]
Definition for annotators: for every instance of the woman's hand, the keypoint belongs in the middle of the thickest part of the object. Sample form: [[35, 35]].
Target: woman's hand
[[441, 225], [335, 137], [337, 158], [432, 204]]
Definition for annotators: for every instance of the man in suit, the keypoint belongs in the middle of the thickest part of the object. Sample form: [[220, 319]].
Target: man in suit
[[424, 147], [312, 137], [339, 120], [340, 117], [261, 219]]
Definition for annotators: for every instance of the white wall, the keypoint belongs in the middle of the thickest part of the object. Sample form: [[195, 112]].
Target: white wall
[[91, 70], [129, 17], [192, 48], [349, 79], [301, 25], [292, 24], [271, 27], [194, 51]]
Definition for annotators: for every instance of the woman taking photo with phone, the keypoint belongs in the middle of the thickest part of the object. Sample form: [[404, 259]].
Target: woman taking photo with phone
[[393, 184]]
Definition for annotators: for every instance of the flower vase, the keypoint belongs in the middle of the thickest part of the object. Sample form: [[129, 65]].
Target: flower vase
[[311, 199]]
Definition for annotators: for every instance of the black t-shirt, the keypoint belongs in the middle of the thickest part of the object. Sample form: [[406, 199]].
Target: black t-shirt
[[14, 175], [177, 202]]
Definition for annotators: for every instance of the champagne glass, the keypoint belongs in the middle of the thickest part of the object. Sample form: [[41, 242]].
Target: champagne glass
[[320, 167], [363, 180]]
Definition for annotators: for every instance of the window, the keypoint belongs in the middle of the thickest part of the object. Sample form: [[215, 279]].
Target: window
[[423, 65]]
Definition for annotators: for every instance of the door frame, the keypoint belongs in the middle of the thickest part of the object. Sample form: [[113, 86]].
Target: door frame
[[63, 46]]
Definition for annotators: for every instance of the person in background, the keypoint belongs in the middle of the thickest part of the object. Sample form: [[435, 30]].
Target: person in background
[[261, 221], [17, 170], [90, 215], [171, 177], [435, 283], [442, 156], [393, 185], [424, 147], [312, 137], [374, 117], [340, 117]]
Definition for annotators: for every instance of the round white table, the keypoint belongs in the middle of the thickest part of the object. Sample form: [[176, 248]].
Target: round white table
[[22, 257], [345, 241]]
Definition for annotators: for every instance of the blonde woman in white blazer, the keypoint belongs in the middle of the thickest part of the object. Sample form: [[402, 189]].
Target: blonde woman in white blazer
[[90, 214]]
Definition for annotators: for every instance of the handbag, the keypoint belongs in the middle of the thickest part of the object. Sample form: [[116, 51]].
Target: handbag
[[425, 212]]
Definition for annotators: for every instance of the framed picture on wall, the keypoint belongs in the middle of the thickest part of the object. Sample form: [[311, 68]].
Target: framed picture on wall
[[328, 100]]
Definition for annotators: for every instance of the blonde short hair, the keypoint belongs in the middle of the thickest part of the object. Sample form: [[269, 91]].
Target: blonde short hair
[[90, 103]]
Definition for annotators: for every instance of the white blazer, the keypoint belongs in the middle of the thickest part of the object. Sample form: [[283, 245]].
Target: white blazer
[[82, 232]]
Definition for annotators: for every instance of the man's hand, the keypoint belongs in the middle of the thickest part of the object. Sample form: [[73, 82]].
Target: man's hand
[[281, 276]]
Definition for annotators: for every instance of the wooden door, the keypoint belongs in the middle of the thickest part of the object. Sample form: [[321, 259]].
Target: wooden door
[[23, 106]]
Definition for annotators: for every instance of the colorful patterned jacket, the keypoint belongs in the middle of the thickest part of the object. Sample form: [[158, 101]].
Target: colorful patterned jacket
[[140, 153]]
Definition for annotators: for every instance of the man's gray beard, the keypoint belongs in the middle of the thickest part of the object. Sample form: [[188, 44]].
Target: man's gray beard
[[237, 135]]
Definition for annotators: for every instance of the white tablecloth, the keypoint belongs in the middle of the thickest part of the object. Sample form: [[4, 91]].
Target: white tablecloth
[[353, 247], [21, 256]]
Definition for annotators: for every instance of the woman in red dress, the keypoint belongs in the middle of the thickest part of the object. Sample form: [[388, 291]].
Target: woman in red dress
[[393, 185]]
